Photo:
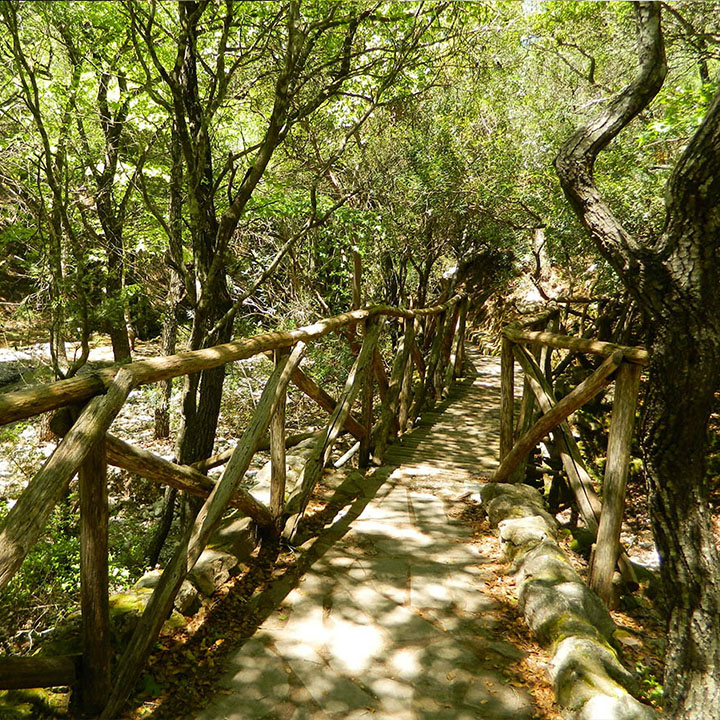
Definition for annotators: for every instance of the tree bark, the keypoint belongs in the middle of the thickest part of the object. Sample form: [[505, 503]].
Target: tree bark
[[675, 279]]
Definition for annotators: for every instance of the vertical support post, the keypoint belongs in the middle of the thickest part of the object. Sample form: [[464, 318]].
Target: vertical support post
[[357, 280], [455, 342], [553, 326], [426, 390], [507, 397], [441, 374], [459, 367], [385, 428], [277, 451], [607, 550], [406, 387], [95, 677], [525, 422], [366, 414]]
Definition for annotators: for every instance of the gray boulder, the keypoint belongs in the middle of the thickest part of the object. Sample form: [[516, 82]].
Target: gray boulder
[[211, 570]]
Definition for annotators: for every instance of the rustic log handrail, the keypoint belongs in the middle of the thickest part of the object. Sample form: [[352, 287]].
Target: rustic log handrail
[[625, 363], [587, 390], [87, 447], [33, 401], [636, 355]]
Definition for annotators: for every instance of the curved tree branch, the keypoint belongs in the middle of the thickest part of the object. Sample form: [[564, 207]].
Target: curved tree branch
[[576, 159]]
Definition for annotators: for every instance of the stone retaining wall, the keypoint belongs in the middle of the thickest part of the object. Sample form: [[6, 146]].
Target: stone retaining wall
[[589, 680]]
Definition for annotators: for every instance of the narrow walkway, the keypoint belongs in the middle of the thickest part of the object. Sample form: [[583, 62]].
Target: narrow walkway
[[391, 620]]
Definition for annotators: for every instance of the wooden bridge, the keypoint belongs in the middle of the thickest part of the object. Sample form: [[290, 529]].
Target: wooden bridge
[[401, 524]]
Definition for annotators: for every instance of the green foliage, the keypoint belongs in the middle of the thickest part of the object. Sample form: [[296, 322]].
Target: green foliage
[[650, 686]]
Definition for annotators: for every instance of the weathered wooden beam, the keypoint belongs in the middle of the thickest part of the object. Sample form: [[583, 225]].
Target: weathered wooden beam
[[507, 398], [183, 477], [94, 603], [366, 396], [191, 546], [390, 404], [585, 391], [589, 504], [444, 371], [524, 423], [458, 357], [38, 671], [344, 459], [406, 386], [587, 499], [418, 359], [277, 455], [325, 401], [42, 398], [607, 548], [594, 347], [221, 458], [426, 393], [24, 523], [297, 502], [380, 374]]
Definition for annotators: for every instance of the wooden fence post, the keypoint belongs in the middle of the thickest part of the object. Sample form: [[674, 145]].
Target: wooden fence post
[[587, 500], [441, 372], [390, 404], [25, 521], [277, 452], [524, 423], [586, 390], [188, 550], [95, 675], [366, 413], [406, 387], [427, 393], [297, 502], [607, 549], [459, 363], [507, 397]]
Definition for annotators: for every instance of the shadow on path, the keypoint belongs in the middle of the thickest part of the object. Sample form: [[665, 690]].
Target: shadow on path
[[384, 615]]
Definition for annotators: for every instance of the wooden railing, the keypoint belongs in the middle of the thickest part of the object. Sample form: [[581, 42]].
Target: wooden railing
[[624, 366], [88, 447]]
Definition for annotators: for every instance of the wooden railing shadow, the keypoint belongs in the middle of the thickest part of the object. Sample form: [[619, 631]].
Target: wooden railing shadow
[[85, 408]]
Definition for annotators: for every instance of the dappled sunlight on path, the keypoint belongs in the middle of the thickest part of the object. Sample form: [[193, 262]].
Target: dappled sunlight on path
[[390, 619]]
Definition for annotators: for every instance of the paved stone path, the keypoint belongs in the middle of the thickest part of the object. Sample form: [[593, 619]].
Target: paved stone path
[[390, 619]]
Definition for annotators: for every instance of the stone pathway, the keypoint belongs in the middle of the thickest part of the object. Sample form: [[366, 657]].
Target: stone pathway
[[390, 619]]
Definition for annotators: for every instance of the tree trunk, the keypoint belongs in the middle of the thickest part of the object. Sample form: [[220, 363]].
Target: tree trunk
[[682, 383], [675, 279]]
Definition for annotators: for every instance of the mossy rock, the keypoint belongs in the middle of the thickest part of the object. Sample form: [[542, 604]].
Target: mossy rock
[[125, 611], [186, 600], [236, 535], [503, 501], [294, 464], [582, 541], [211, 570], [583, 669], [34, 704], [66, 638], [546, 562], [558, 611], [523, 534]]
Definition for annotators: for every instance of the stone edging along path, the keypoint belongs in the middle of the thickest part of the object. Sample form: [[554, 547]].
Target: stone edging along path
[[589, 681]]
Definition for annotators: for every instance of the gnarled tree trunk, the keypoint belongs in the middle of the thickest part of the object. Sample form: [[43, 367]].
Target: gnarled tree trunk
[[675, 279]]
